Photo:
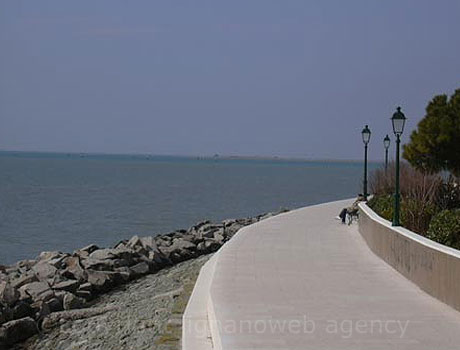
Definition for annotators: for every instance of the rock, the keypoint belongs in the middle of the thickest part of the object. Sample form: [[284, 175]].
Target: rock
[[84, 291], [121, 263], [54, 305], [135, 243], [100, 280], [8, 294], [125, 253], [232, 229], [38, 291], [199, 225], [218, 238], [188, 237], [201, 248], [139, 269], [181, 244], [228, 222], [24, 279], [3, 317], [121, 244], [54, 259], [211, 245], [74, 269], [96, 264], [86, 251], [21, 310], [26, 264], [72, 302], [265, 216], [84, 294], [158, 258], [58, 262], [85, 286], [44, 271], [68, 286], [162, 242], [103, 254], [142, 245], [18, 330], [89, 248], [42, 308], [149, 243]]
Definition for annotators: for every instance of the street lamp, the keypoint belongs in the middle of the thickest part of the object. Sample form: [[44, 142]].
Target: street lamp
[[366, 134], [398, 121], [386, 144]]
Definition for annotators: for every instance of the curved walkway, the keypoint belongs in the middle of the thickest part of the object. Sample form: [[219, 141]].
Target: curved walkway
[[302, 280]]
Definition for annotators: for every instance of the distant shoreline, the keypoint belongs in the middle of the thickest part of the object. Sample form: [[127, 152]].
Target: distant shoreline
[[143, 156]]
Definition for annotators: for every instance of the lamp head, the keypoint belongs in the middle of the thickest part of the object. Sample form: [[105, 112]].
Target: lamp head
[[366, 134], [398, 120], [386, 142]]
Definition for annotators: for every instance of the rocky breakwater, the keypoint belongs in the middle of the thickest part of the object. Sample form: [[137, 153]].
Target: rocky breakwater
[[37, 295]]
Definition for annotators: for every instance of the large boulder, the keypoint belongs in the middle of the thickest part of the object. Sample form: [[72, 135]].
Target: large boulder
[[103, 254], [21, 309], [149, 243], [49, 255], [142, 245], [74, 269], [71, 301], [8, 294], [139, 269], [15, 331], [55, 259], [105, 280], [44, 271], [38, 291], [24, 279], [218, 237], [97, 264], [179, 248], [54, 304], [86, 251], [68, 286]]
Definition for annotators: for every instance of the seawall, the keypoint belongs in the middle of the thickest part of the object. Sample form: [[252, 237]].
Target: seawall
[[433, 267]]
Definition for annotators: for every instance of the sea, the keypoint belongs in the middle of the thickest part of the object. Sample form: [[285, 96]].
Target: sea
[[61, 201]]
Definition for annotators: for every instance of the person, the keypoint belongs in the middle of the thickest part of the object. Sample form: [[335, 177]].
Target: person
[[343, 214]]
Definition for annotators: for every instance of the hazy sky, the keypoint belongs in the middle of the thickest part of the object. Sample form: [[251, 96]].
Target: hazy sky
[[267, 77]]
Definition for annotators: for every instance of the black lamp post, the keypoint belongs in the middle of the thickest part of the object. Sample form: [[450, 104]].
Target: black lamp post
[[398, 121], [366, 134], [386, 144]]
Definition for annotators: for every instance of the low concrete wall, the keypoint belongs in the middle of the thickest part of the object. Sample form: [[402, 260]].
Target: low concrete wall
[[435, 268]]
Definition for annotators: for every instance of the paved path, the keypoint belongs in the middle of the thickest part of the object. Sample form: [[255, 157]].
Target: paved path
[[302, 280]]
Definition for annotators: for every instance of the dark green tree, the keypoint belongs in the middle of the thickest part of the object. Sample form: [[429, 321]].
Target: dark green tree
[[435, 145]]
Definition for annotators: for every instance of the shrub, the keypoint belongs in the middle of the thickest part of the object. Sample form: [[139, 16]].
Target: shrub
[[413, 183], [416, 215], [445, 228], [382, 205], [449, 194]]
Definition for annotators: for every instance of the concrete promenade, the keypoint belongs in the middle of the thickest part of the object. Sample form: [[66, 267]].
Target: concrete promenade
[[302, 280]]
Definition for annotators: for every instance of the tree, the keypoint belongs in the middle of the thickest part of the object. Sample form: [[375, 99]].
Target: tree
[[435, 145]]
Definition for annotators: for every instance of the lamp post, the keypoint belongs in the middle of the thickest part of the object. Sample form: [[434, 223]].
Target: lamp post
[[398, 121], [386, 144], [366, 134]]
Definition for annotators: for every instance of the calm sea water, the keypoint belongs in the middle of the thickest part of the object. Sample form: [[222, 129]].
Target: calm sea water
[[63, 202]]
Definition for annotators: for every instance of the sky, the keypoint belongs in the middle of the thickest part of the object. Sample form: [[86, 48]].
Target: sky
[[254, 78]]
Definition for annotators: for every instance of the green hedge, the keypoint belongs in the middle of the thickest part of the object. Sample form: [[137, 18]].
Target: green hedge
[[442, 226], [445, 228], [383, 206]]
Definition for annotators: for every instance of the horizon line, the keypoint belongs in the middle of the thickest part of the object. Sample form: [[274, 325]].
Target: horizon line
[[215, 156]]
